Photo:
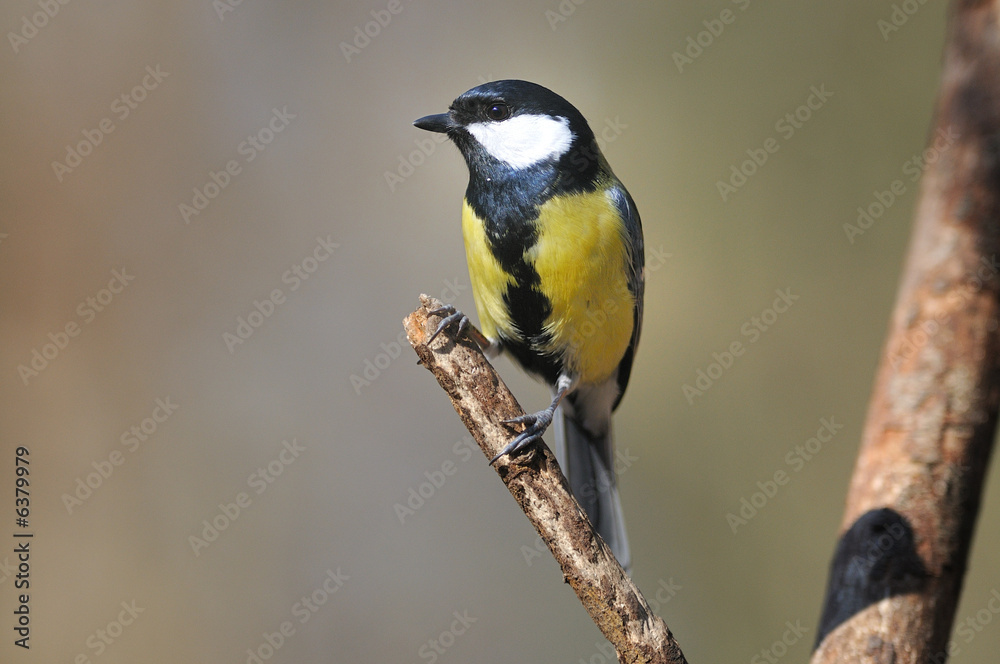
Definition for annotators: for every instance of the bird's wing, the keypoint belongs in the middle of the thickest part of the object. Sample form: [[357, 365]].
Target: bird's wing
[[636, 277]]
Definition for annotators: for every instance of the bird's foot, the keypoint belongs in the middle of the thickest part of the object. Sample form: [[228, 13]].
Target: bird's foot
[[452, 316], [536, 424]]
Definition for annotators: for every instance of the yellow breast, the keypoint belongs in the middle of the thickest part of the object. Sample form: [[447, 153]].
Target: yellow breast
[[581, 259], [489, 280]]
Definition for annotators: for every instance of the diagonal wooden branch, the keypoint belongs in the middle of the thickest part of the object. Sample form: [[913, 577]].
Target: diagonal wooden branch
[[537, 483], [913, 501]]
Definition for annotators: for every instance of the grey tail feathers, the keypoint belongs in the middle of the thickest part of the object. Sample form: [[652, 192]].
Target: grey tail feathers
[[585, 459]]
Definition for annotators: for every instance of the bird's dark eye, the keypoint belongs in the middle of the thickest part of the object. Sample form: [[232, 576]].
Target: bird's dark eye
[[498, 111]]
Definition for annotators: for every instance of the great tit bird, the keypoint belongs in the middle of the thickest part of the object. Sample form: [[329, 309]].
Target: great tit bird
[[555, 253]]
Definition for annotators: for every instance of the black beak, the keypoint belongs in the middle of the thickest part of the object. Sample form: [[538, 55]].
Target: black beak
[[440, 123]]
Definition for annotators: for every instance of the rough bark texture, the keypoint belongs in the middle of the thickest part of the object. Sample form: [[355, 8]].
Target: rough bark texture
[[537, 483], [916, 489]]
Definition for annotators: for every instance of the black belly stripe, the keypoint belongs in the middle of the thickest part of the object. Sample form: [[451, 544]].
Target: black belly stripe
[[528, 309], [507, 203], [508, 211]]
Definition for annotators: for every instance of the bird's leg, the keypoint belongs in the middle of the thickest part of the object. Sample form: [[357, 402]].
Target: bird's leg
[[453, 316], [538, 422]]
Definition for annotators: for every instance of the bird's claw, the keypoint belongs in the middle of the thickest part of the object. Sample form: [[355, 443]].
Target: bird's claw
[[536, 424], [451, 317]]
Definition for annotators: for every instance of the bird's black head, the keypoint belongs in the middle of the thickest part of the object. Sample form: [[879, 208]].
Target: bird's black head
[[514, 126]]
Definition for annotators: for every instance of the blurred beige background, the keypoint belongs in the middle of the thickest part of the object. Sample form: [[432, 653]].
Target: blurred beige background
[[322, 546]]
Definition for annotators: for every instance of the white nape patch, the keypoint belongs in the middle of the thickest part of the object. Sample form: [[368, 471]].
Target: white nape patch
[[524, 140]]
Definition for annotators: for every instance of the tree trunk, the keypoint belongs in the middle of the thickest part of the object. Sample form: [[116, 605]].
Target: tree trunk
[[914, 497]]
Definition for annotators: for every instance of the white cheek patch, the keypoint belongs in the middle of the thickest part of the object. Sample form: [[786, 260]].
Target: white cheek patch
[[524, 140]]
